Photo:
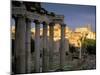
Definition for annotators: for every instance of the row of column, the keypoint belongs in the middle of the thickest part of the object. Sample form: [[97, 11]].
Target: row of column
[[22, 50]]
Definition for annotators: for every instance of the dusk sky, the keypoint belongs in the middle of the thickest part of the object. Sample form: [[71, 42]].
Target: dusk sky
[[74, 15]]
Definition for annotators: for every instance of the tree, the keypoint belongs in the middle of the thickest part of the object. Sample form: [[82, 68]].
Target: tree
[[90, 46]]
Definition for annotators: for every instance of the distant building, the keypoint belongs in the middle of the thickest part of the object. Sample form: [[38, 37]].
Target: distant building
[[72, 36], [88, 31], [74, 39], [82, 29], [91, 35]]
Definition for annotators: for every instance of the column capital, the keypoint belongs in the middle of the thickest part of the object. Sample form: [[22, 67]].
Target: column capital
[[44, 23], [51, 24], [16, 16], [64, 25], [36, 22], [28, 20], [20, 16]]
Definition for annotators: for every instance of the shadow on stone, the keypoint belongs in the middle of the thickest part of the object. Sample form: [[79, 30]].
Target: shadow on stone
[[59, 70]]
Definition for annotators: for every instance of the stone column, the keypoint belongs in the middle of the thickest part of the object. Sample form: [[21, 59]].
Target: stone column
[[45, 48], [62, 47], [37, 46], [20, 55], [67, 45], [80, 50], [28, 46], [51, 45], [81, 45]]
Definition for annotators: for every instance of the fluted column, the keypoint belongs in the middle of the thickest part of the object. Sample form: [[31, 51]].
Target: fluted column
[[45, 48], [62, 48], [37, 46], [28, 46], [51, 45], [20, 58]]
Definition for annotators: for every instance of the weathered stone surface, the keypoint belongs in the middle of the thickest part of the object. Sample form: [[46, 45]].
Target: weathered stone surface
[[20, 53], [37, 47]]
